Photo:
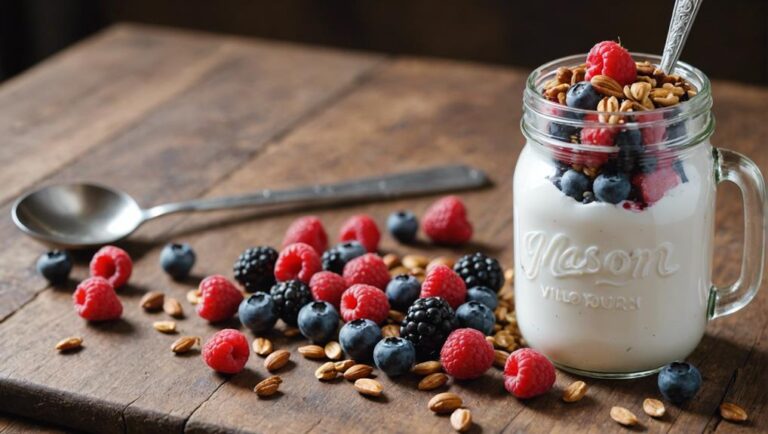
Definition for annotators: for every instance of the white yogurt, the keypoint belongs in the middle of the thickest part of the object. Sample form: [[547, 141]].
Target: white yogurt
[[605, 289]]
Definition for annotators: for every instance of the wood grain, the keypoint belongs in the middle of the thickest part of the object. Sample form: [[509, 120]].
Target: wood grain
[[338, 117]]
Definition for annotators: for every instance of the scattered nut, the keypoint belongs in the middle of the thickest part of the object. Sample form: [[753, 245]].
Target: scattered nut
[[343, 365], [290, 332], [268, 387], [367, 386], [426, 368], [390, 331], [500, 358], [607, 86], [433, 381], [623, 416], [333, 350], [69, 344], [326, 371], [165, 326], [461, 419], [391, 260], [152, 300], [654, 407], [184, 344], [732, 412], [445, 402], [357, 372], [277, 360], [262, 346], [415, 261], [396, 316], [193, 296], [312, 351], [172, 307], [575, 391]]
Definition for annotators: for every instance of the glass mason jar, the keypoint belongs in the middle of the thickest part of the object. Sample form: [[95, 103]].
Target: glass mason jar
[[613, 244]]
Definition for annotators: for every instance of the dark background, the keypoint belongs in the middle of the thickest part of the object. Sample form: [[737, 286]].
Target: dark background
[[729, 40]]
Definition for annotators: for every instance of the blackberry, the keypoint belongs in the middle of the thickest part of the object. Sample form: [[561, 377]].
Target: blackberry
[[289, 297], [335, 258], [255, 268], [480, 270], [427, 325]]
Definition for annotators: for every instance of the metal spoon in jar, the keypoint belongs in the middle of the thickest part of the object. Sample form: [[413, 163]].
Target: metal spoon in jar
[[680, 25], [85, 215]]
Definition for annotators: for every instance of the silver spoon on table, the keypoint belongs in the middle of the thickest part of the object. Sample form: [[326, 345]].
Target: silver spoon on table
[[683, 15], [85, 215]]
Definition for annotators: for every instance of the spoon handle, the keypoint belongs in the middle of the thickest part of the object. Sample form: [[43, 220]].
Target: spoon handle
[[680, 25], [433, 180]]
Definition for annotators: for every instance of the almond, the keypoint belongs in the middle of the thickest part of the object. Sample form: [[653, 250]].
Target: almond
[[415, 261], [326, 371], [461, 419], [165, 326], [732, 412], [343, 365], [333, 350], [426, 368], [607, 86], [623, 416], [445, 402], [398, 271], [358, 371], [262, 346], [184, 344], [575, 391], [563, 75], [654, 407], [390, 331], [500, 358], [172, 307], [369, 387], [442, 260], [152, 300], [193, 296], [312, 351], [277, 360], [70, 343], [396, 316], [268, 387], [433, 381], [391, 260]]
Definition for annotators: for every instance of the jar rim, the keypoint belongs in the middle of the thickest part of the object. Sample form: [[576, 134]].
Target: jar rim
[[538, 110]]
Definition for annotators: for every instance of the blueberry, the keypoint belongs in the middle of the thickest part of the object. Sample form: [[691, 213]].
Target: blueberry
[[403, 226], [177, 260], [630, 143], [647, 163], [402, 291], [612, 187], [484, 295], [351, 250], [476, 316], [358, 338], [574, 184], [55, 266], [563, 132], [678, 166], [257, 312], [394, 356], [582, 95], [679, 382], [318, 321]]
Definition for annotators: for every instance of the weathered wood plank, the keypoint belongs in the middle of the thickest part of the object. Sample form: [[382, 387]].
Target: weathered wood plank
[[253, 93], [16, 425]]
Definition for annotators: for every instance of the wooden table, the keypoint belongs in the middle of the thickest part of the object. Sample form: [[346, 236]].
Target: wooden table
[[168, 115]]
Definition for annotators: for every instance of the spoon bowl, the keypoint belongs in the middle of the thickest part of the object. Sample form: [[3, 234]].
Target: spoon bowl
[[77, 215]]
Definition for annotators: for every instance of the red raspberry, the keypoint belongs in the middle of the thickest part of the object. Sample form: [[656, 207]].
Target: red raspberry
[[227, 351], [361, 228], [364, 301], [443, 282], [528, 373], [219, 299], [113, 264], [595, 136], [95, 300], [653, 186], [652, 134], [307, 230], [328, 286], [297, 261], [368, 269], [446, 221], [611, 59], [466, 354]]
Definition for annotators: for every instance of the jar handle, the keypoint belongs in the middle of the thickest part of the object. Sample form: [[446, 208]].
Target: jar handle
[[740, 170]]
